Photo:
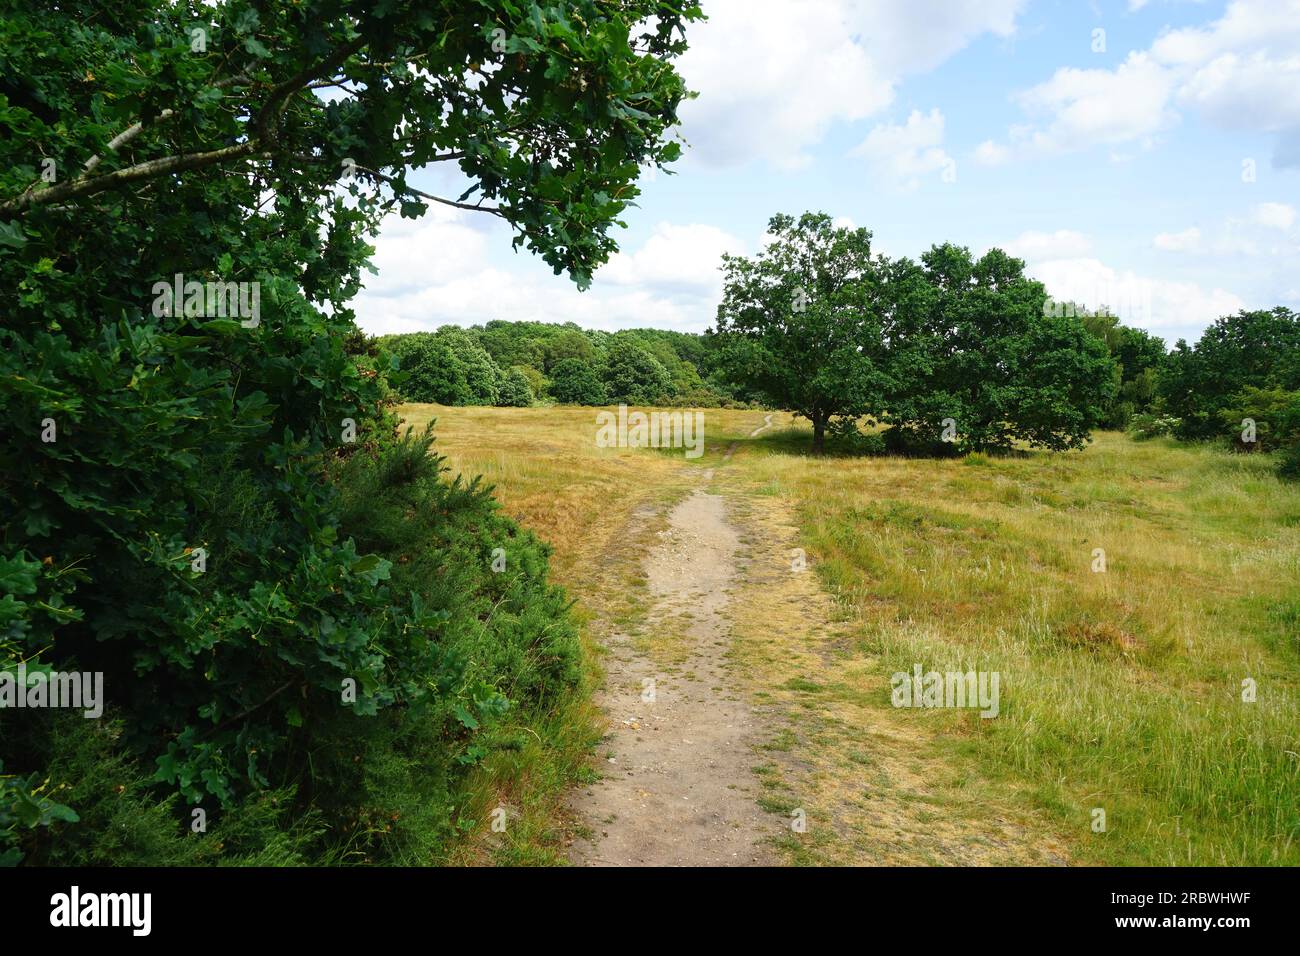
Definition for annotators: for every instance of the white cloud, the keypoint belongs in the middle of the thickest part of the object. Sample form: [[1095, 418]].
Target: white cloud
[[773, 77], [438, 271], [1184, 241], [1240, 72], [1274, 215], [990, 153], [1098, 106], [437, 247], [675, 258], [1062, 244], [1162, 306], [1252, 92], [903, 154], [1264, 232], [1270, 25]]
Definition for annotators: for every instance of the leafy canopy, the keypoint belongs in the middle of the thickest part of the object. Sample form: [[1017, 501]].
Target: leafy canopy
[[950, 348], [179, 528], [801, 321]]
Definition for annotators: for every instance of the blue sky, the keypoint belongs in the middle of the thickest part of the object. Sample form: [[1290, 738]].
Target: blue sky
[[1144, 155]]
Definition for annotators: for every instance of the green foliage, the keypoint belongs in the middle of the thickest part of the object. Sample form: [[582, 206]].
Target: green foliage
[[515, 390], [632, 375], [24, 806], [1289, 463], [1139, 357], [948, 349], [537, 382], [1259, 349], [847, 437], [1146, 425], [1243, 366], [626, 358], [986, 354], [584, 80], [569, 343], [507, 649], [171, 513], [124, 822], [799, 323], [1275, 413], [573, 382], [448, 367]]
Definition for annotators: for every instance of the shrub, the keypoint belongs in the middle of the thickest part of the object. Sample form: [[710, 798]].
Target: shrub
[[1259, 349], [447, 367], [632, 375], [536, 380], [849, 438], [181, 532], [1146, 425], [515, 390], [1289, 464], [1275, 413], [574, 382], [505, 644]]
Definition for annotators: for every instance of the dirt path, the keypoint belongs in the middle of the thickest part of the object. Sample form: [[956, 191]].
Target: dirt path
[[678, 789], [740, 699]]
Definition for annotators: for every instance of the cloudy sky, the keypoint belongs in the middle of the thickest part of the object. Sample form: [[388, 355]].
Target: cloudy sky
[[1144, 154]]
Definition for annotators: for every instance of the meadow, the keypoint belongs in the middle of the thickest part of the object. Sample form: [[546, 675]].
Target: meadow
[[1139, 601]]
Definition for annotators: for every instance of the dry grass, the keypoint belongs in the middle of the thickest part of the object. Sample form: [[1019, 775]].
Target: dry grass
[[1120, 690], [551, 477]]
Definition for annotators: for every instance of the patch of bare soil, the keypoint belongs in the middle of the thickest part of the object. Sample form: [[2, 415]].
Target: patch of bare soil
[[678, 790]]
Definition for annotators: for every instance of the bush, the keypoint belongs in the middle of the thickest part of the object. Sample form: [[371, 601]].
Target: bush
[[506, 643], [916, 443], [447, 367], [1289, 466], [122, 820], [1146, 425], [176, 472], [1259, 349], [573, 382], [536, 380], [380, 781], [515, 390], [1274, 412], [847, 437], [634, 376]]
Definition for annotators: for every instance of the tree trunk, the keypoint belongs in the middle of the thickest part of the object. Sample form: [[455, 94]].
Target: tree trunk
[[819, 434]]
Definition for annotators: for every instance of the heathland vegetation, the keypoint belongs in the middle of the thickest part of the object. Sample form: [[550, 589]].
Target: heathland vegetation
[[320, 644]]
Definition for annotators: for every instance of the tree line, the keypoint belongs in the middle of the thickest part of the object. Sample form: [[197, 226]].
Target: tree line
[[944, 354]]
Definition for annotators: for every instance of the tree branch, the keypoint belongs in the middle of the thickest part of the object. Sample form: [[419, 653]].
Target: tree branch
[[494, 210], [87, 185], [135, 129]]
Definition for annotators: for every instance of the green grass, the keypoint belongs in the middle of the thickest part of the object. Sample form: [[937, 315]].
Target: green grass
[[1119, 690]]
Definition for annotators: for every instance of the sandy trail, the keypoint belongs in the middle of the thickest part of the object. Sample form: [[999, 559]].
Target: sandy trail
[[677, 788]]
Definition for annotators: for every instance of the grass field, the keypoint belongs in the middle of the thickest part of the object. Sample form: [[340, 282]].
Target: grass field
[[1121, 690]]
